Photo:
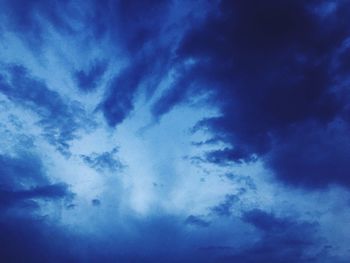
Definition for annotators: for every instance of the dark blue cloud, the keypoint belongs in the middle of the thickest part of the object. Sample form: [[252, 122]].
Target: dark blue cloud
[[119, 99], [25, 169], [48, 192], [156, 238], [130, 24], [88, 80], [197, 221], [282, 240], [138, 29], [104, 161], [225, 208], [313, 156], [26, 239], [266, 222], [144, 70], [222, 156], [274, 68], [31, 19], [95, 202], [277, 71], [23, 178], [163, 239], [177, 93], [25, 234], [60, 120]]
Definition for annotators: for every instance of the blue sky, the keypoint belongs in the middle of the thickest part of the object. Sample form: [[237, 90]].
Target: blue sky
[[174, 131]]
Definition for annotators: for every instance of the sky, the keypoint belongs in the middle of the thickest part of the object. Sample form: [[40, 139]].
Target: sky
[[174, 131]]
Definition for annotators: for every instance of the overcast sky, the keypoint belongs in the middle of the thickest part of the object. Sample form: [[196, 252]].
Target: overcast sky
[[174, 131]]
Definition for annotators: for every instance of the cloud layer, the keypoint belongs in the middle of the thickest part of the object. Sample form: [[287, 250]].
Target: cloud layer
[[174, 131]]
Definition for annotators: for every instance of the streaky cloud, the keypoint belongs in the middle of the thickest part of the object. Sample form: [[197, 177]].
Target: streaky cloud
[[59, 120]]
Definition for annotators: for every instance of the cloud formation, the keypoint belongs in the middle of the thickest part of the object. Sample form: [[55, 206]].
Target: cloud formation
[[174, 131], [104, 161], [275, 70], [23, 178], [58, 119], [88, 80], [282, 240]]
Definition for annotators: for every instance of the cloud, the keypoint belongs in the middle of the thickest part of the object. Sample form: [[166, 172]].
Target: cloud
[[48, 192], [271, 70], [196, 221], [31, 19], [24, 188], [313, 156], [25, 169], [126, 24], [25, 239], [283, 240], [143, 33], [88, 80], [95, 202], [224, 208], [60, 120], [104, 161], [23, 178], [157, 237], [276, 72], [119, 99], [266, 222]]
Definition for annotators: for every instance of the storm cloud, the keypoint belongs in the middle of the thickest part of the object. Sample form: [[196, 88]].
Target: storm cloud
[[174, 131]]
